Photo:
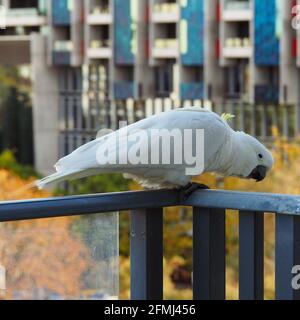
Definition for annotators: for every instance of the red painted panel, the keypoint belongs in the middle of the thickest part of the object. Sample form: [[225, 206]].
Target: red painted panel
[[294, 48], [218, 11], [293, 4]]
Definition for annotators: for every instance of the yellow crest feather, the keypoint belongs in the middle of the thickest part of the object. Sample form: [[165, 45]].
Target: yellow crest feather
[[227, 116]]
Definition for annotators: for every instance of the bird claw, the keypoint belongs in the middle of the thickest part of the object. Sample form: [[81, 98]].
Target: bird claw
[[190, 188]]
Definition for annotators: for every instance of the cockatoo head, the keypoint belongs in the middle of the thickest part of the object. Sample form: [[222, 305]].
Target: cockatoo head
[[252, 160]]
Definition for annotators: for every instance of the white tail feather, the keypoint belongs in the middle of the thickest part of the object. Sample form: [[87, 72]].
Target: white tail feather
[[56, 177], [70, 175]]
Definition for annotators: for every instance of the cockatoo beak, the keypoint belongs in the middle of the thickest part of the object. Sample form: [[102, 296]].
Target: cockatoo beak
[[259, 173]]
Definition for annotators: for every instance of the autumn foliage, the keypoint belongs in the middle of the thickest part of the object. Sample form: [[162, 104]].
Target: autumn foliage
[[39, 254]]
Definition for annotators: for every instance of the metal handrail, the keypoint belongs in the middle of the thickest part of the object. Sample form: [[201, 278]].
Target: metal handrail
[[87, 204], [209, 240], [102, 203]]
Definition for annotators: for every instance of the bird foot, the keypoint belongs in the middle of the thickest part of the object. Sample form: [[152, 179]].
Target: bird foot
[[189, 189]]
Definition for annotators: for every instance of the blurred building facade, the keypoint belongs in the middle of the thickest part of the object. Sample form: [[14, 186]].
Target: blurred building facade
[[215, 50], [19, 20]]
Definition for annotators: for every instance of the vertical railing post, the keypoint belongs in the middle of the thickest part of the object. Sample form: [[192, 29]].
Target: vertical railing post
[[253, 120], [242, 117], [209, 254], [146, 254], [251, 256], [285, 127], [287, 255], [264, 122]]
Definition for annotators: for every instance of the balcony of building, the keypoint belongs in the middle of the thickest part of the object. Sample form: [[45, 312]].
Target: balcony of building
[[100, 14], [237, 11], [165, 13], [99, 49], [25, 17], [165, 49], [62, 51], [237, 48]]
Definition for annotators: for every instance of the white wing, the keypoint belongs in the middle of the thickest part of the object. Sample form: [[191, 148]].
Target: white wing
[[85, 161]]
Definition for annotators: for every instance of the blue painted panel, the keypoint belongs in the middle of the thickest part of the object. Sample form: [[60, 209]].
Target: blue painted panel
[[61, 15], [123, 33], [191, 91], [266, 94], [61, 58], [193, 14], [124, 90], [42, 5], [266, 40]]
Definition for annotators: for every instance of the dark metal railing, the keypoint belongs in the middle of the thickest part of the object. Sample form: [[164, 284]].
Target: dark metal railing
[[209, 239]]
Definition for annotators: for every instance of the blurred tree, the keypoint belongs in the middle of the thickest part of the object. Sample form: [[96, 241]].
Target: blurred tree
[[9, 162], [16, 131], [40, 254]]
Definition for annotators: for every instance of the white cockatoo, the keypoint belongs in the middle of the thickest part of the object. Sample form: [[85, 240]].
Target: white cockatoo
[[214, 148]]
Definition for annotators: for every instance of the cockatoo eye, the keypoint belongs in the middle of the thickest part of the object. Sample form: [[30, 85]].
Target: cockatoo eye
[[260, 156]]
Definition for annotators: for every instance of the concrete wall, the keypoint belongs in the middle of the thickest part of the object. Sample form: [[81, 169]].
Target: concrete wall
[[45, 107], [143, 72], [77, 33], [213, 73]]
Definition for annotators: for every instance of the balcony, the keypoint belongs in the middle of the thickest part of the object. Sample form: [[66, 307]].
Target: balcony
[[100, 16], [165, 49], [237, 48], [99, 49], [62, 52], [237, 11], [209, 236], [25, 17], [63, 45], [165, 13]]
